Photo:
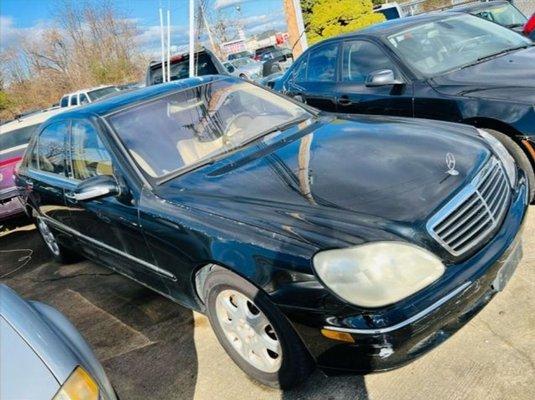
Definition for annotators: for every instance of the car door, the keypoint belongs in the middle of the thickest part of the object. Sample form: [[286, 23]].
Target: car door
[[45, 180], [313, 79], [360, 58], [108, 226]]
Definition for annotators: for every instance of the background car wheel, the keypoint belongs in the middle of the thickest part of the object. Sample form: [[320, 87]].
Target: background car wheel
[[520, 157], [58, 252], [254, 333]]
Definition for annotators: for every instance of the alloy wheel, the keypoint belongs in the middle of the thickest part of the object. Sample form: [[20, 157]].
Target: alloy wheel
[[48, 236], [248, 330]]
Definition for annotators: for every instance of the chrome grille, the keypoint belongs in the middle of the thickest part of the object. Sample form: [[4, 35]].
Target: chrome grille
[[474, 214]]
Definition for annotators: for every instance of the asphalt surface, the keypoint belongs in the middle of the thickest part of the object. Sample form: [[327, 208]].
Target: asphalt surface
[[152, 348]]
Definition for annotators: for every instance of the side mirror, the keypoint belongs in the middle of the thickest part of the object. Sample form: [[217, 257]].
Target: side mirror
[[95, 187], [382, 77]]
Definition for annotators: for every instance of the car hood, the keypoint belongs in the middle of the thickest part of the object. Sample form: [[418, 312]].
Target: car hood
[[507, 77], [24, 374], [379, 172]]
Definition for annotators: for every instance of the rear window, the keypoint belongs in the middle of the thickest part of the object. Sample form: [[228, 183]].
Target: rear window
[[16, 137], [99, 93], [180, 68], [263, 50]]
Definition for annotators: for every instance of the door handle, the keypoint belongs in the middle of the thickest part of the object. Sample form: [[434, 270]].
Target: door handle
[[344, 101], [70, 196]]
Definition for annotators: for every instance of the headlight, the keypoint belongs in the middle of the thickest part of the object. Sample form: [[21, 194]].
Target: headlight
[[377, 274], [503, 154], [79, 386]]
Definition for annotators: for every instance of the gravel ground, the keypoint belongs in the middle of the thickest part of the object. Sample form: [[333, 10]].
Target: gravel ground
[[155, 349]]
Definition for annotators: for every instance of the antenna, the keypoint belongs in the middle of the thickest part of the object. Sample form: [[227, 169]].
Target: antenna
[[162, 46]]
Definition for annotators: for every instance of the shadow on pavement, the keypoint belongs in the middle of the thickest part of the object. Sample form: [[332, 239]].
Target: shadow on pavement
[[145, 341]]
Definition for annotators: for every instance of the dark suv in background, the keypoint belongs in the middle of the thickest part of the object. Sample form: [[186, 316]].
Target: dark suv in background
[[206, 63]]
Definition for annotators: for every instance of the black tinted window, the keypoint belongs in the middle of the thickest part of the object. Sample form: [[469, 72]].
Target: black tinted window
[[83, 99], [361, 58], [49, 153], [74, 100], [64, 101], [180, 68], [300, 70], [322, 63], [16, 137], [88, 154]]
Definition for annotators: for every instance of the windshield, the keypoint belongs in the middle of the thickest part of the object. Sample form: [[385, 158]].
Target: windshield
[[436, 47], [505, 14], [389, 12], [240, 62], [189, 127], [241, 54], [99, 93]]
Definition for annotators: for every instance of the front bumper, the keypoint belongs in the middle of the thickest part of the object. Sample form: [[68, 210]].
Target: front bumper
[[392, 337]]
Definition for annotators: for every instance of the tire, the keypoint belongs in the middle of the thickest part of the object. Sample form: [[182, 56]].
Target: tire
[[58, 252], [520, 157], [288, 369]]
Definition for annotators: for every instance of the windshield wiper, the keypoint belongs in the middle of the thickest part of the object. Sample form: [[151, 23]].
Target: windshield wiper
[[480, 59]]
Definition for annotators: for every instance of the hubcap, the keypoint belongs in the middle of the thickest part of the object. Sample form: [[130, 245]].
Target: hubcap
[[48, 236], [248, 330]]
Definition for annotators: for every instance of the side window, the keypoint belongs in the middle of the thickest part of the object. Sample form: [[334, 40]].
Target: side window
[[300, 70], [83, 99], [322, 64], [88, 154], [361, 58], [74, 100], [64, 101], [49, 152]]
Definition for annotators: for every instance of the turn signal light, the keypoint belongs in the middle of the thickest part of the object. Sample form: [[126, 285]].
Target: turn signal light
[[336, 335]]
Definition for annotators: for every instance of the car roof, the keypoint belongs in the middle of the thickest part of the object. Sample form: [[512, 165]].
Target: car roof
[[129, 98], [30, 119], [479, 6]]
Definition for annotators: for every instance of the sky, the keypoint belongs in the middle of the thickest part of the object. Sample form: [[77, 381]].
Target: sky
[[31, 16]]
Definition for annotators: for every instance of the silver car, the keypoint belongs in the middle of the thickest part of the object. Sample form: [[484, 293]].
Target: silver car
[[42, 356], [245, 68]]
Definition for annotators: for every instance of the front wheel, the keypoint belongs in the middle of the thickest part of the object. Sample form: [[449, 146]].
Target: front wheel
[[520, 157], [254, 333], [58, 252]]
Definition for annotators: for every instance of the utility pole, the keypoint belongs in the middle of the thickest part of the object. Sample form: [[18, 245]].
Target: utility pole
[[164, 75], [168, 45], [191, 38], [296, 27]]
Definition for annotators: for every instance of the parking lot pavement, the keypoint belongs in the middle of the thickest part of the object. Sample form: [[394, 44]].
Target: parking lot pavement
[[155, 349]]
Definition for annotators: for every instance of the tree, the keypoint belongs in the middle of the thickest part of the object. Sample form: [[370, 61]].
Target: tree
[[90, 43], [326, 18]]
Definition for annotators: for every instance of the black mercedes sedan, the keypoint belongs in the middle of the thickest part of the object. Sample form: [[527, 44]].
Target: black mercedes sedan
[[355, 244], [446, 66]]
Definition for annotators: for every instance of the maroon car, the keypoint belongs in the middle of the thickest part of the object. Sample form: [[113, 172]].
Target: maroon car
[[14, 137]]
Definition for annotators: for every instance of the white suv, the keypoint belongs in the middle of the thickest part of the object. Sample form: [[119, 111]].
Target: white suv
[[86, 96]]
